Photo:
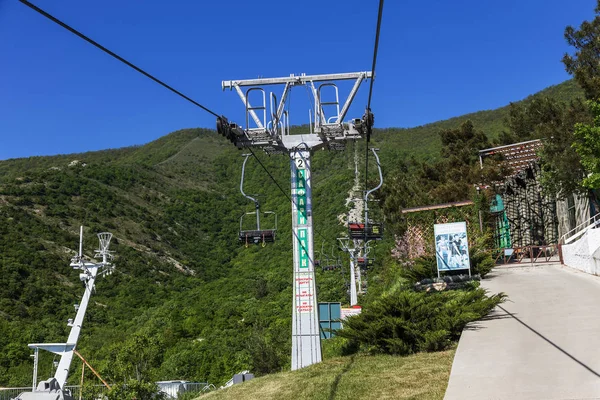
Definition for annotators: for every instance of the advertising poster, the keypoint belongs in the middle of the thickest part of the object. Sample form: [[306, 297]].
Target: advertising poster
[[350, 312], [451, 246]]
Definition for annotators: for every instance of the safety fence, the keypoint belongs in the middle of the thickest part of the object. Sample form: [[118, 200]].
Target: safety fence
[[172, 391], [527, 254], [11, 393]]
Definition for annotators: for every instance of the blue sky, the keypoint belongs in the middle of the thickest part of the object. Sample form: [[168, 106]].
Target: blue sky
[[437, 59]]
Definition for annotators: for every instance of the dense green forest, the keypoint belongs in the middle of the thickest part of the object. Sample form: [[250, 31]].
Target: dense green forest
[[187, 301]]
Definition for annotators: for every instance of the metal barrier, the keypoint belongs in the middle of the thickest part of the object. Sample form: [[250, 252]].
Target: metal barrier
[[527, 254], [580, 229], [195, 387], [11, 393]]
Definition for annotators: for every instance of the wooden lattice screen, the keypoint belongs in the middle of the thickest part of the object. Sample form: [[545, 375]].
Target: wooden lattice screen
[[419, 231]]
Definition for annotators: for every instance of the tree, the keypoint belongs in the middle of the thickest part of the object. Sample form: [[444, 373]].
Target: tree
[[587, 146], [460, 162], [553, 122], [584, 65]]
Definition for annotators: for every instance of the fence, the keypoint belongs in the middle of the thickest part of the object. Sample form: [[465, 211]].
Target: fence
[[527, 254], [11, 393], [580, 229], [194, 387]]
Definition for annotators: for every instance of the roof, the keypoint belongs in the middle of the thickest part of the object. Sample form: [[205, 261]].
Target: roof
[[437, 206], [517, 156]]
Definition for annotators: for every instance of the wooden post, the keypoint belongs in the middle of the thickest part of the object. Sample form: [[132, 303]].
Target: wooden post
[[93, 370], [81, 382]]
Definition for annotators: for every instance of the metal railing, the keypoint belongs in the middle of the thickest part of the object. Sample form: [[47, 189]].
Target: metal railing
[[195, 387], [580, 229], [11, 393], [527, 254]]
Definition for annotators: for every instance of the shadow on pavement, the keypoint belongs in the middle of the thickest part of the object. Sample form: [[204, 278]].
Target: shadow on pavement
[[511, 315]]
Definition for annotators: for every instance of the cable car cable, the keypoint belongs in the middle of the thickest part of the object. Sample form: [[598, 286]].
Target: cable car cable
[[368, 110], [281, 189], [376, 47], [114, 55], [148, 75]]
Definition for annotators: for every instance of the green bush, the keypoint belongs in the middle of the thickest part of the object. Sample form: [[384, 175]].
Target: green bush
[[481, 258], [136, 390], [337, 347], [408, 322], [421, 268]]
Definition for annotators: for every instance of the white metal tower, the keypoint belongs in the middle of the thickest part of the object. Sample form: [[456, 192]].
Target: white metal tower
[[54, 388], [267, 128]]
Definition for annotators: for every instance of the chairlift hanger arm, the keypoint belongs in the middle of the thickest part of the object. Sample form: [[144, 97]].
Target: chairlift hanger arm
[[380, 176], [257, 204]]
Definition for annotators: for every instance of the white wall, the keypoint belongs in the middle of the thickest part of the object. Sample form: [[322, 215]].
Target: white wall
[[582, 213], [584, 253]]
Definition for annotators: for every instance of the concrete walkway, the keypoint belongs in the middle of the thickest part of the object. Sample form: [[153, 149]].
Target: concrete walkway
[[542, 343]]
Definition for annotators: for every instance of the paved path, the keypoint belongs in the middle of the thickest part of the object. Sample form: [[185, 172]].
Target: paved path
[[543, 343]]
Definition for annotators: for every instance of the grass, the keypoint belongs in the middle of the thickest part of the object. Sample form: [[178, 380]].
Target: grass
[[422, 376]]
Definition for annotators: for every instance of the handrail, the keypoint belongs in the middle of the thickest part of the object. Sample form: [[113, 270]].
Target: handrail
[[580, 229]]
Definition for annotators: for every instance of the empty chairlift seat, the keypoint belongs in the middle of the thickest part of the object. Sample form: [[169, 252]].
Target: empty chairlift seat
[[257, 236], [365, 263], [371, 231]]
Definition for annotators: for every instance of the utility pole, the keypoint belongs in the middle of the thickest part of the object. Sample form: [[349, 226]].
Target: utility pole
[[272, 134]]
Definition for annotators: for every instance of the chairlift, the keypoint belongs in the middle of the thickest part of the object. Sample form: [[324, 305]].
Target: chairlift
[[370, 230], [257, 235], [365, 262], [330, 264]]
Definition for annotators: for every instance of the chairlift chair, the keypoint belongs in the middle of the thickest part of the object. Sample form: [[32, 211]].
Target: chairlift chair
[[370, 230], [365, 262], [332, 263], [258, 235]]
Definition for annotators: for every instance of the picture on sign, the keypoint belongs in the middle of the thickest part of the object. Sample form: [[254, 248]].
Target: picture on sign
[[451, 246]]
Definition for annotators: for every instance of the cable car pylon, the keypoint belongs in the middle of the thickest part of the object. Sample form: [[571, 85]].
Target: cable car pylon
[[258, 235], [267, 128]]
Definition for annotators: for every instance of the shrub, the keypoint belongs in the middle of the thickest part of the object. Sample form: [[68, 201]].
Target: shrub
[[136, 390], [408, 321], [338, 346], [481, 258], [421, 268]]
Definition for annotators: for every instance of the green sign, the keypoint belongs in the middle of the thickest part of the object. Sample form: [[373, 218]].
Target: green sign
[[303, 247], [301, 195]]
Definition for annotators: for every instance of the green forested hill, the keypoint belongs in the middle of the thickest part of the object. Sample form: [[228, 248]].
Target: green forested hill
[[186, 301]]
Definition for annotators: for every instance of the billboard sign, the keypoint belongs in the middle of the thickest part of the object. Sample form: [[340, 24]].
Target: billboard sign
[[351, 311], [451, 247]]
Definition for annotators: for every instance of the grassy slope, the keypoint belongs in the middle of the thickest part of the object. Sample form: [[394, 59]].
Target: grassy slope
[[420, 376]]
